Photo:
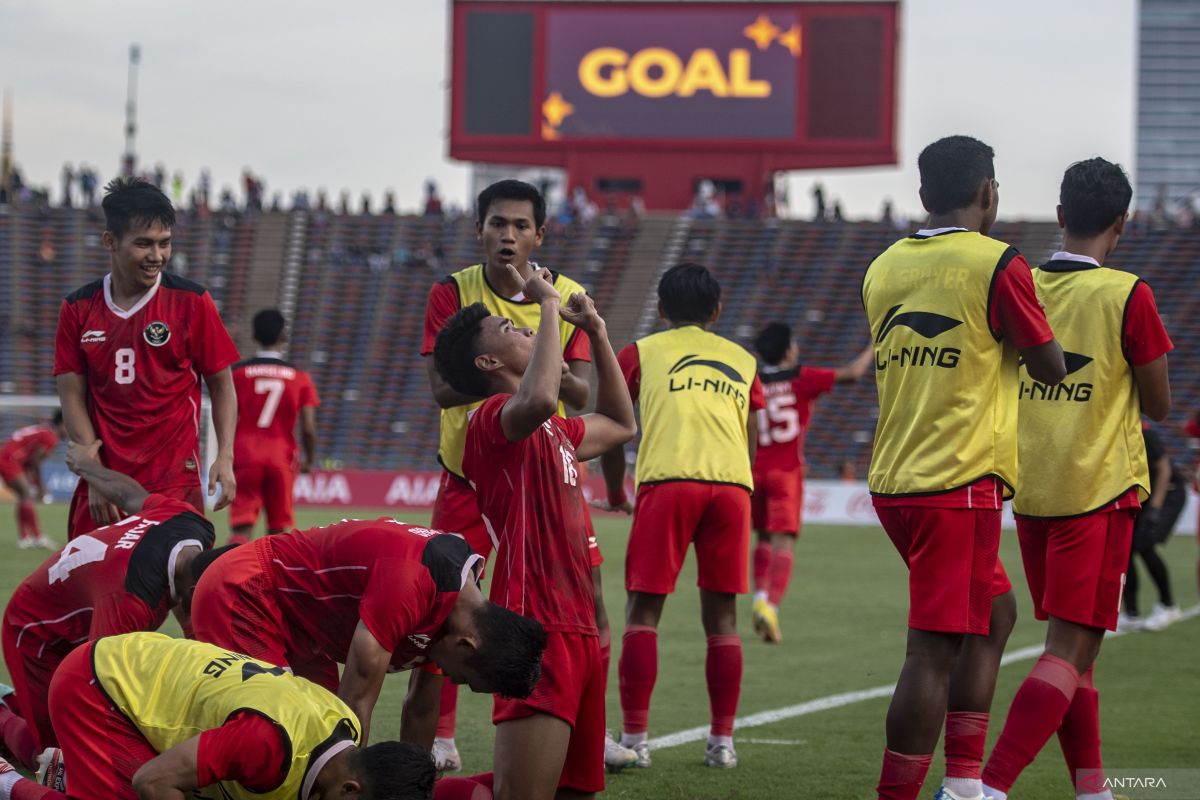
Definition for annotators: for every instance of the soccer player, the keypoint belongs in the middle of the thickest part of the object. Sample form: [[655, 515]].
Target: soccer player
[[698, 393], [129, 349], [116, 579], [950, 310], [376, 595], [271, 396], [523, 459], [21, 471], [790, 392], [1083, 474], [142, 716], [511, 225]]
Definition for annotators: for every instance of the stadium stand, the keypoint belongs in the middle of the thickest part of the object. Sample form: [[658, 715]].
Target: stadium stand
[[354, 287]]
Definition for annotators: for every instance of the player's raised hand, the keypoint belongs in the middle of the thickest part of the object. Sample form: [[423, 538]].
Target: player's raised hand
[[540, 286], [581, 312], [78, 454], [222, 472]]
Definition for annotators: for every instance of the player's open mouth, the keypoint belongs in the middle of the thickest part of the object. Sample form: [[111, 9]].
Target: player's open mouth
[[506, 252]]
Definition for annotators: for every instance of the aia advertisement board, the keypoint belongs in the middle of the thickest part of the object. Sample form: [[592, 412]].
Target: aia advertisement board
[[812, 83]]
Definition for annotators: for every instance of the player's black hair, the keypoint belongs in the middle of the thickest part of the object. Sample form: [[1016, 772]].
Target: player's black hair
[[689, 293], [512, 190], [1094, 194], [394, 771], [268, 326], [58, 416], [952, 170], [206, 558], [773, 341], [455, 349], [509, 656], [132, 201]]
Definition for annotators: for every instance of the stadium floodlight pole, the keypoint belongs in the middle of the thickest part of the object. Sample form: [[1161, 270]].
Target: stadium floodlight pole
[[129, 160]]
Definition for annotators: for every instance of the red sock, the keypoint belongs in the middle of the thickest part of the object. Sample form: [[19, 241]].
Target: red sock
[[605, 653], [723, 671], [966, 736], [637, 670], [1079, 735], [902, 776], [1036, 713], [27, 522], [779, 574], [18, 738], [446, 713], [762, 563], [472, 787]]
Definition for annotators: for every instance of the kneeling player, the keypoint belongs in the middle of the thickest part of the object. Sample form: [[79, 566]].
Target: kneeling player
[[144, 716], [523, 461], [377, 596], [116, 579], [790, 391], [20, 470]]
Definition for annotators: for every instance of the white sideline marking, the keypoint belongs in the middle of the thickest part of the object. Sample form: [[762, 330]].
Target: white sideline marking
[[792, 742], [838, 700]]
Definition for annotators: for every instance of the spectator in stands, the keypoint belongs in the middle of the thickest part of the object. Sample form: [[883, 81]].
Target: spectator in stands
[[322, 200], [583, 210], [68, 180], [889, 212], [818, 193], [205, 185], [837, 210], [277, 202], [344, 202], [433, 203], [177, 188], [366, 202], [847, 472], [389, 202], [705, 204]]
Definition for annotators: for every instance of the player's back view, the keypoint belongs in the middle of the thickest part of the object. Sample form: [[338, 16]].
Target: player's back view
[[272, 395]]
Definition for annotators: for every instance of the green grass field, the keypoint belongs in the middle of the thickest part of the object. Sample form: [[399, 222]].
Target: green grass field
[[844, 621]]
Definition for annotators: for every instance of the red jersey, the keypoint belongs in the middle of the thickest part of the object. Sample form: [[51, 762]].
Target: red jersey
[[401, 581], [115, 579], [529, 495], [143, 369], [28, 442], [790, 395], [270, 394]]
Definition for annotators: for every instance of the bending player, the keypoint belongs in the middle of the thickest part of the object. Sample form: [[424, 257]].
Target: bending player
[[128, 350], [946, 361], [145, 717], [790, 391], [510, 223], [377, 596], [1083, 474], [117, 579], [523, 459], [21, 471]]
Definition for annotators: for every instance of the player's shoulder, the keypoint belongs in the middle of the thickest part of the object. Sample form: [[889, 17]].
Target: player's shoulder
[[779, 375], [87, 291], [178, 283], [265, 361]]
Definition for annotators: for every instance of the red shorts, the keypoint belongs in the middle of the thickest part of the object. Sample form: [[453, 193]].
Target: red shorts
[[669, 516], [951, 555], [572, 689], [11, 470], [456, 511], [778, 501], [1000, 582], [233, 607], [259, 486], [30, 668], [102, 749], [1076, 566], [79, 519]]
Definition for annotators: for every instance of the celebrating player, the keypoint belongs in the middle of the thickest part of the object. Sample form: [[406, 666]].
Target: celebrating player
[[377, 596], [790, 392], [116, 579], [946, 362], [145, 717], [523, 459], [1083, 473], [129, 348], [21, 471], [271, 396], [698, 393], [511, 225]]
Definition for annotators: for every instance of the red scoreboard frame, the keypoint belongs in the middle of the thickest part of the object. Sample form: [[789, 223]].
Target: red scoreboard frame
[[644, 88]]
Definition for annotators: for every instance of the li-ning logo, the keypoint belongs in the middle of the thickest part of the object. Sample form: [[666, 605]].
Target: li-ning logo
[[731, 384], [928, 325], [92, 337], [1078, 392]]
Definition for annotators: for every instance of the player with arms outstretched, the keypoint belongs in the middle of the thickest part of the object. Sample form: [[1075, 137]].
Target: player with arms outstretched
[[21, 471], [271, 396], [790, 390], [130, 350]]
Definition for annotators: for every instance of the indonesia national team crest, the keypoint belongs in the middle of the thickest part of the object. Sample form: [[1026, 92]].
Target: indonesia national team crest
[[157, 334]]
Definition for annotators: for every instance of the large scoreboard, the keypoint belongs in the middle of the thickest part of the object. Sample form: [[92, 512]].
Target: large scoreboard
[[780, 85]]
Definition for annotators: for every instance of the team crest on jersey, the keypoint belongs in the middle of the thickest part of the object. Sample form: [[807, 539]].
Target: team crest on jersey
[[157, 334]]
